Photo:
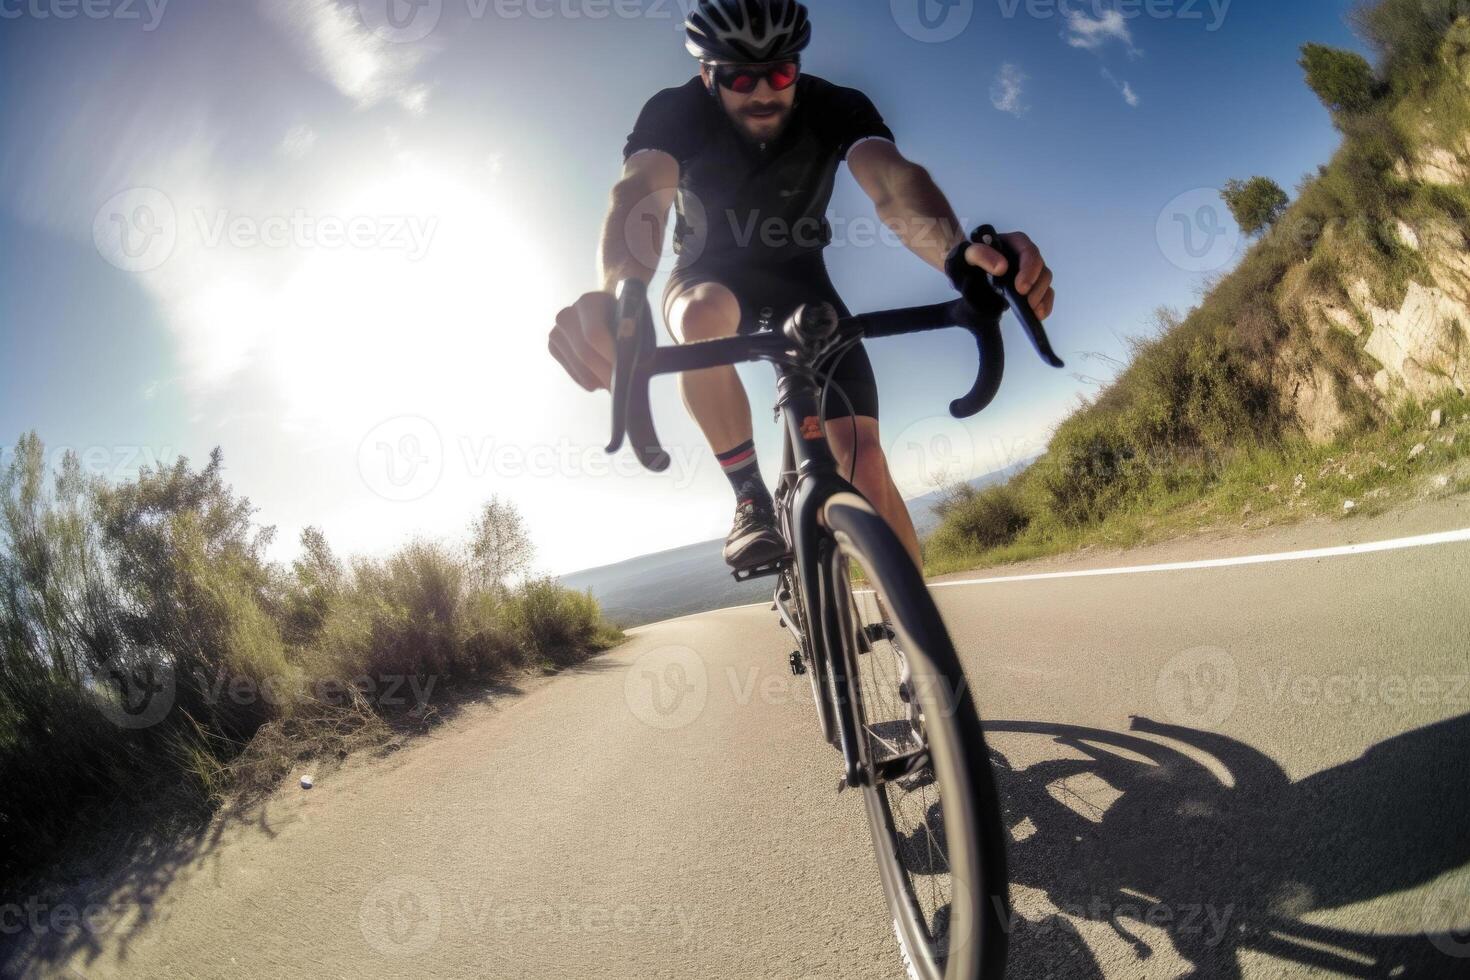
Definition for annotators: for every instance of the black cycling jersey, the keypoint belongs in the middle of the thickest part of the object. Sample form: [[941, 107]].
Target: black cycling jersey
[[750, 202]]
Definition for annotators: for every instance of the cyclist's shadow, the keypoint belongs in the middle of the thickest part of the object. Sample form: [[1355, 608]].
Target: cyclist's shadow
[[1233, 864]]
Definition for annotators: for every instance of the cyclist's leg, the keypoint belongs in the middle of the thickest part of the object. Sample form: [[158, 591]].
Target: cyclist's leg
[[855, 440], [706, 310]]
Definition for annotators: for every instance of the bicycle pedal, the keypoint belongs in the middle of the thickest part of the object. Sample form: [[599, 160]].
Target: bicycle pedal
[[878, 632], [759, 571]]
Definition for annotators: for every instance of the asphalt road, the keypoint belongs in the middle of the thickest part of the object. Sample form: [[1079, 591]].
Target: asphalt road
[[1246, 771]]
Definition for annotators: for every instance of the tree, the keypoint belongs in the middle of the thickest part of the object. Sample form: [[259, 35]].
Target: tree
[[1343, 80], [1256, 203], [499, 544]]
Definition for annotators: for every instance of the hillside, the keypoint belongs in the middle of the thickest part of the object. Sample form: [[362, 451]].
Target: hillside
[[1326, 372]]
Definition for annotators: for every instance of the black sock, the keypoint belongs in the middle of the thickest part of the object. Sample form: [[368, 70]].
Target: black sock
[[744, 473]]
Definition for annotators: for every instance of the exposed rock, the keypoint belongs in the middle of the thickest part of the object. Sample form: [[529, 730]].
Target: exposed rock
[[1417, 451], [1436, 418], [1314, 401], [1421, 343], [1408, 235], [1348, 506]]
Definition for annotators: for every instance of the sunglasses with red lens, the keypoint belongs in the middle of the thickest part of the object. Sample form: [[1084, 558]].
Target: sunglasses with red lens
[[743, 79]]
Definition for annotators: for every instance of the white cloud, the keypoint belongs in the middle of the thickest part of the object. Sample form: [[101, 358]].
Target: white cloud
[[1008, 89], [1093, 33], [1124, 88], [362, 66]]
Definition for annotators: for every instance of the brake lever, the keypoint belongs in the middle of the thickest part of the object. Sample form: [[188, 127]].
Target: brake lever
[[633, 344], [1006, 286]]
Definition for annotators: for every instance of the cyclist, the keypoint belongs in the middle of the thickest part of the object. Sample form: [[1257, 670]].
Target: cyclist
[[749, 150]]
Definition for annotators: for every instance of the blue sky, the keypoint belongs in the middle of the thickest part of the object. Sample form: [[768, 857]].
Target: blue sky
[[358, 234]]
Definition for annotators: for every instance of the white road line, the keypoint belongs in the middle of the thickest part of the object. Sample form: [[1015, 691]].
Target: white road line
[[1423, 540], [1420, 541]]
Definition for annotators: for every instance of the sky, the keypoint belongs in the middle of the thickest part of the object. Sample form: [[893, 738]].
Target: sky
[[331, 236]]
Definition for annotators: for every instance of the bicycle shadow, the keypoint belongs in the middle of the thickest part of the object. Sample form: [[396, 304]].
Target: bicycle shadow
[[1229, 866]]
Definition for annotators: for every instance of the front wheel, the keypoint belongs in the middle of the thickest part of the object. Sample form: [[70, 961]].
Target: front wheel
[[930, 795]]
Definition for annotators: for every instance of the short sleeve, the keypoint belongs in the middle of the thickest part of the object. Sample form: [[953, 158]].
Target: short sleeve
[[853, 118], [666, 123]]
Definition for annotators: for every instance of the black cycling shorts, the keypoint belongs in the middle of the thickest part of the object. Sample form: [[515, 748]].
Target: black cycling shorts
[[772, 292]]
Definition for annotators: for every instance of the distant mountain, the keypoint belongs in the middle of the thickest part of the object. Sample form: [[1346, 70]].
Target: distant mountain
[[695, 579]]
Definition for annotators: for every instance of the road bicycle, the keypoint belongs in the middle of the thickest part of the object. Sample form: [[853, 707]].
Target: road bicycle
[[890, 694]]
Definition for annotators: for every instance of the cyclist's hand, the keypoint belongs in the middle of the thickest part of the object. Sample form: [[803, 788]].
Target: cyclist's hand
[[582, 340], [1032, 281]]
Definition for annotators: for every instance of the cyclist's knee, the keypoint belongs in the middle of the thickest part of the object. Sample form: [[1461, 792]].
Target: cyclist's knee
[[707, 311]]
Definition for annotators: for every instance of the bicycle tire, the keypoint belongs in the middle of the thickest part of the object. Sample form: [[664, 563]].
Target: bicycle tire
[[971, 835]]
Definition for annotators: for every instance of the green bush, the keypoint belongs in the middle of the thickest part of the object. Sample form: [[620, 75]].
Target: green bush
[[1343, 80], [979, 520], [551, 622], [108, 590], [1257, 204]]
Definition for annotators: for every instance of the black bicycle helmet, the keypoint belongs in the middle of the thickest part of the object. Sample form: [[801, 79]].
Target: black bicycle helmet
[[747, 31]]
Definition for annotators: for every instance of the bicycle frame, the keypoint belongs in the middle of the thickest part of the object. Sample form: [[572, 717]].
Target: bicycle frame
[[809, 479]]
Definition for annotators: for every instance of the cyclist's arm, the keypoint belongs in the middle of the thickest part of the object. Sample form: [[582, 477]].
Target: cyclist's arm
[[633, 233], [913, 206], [632, 238], [907, 199]]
